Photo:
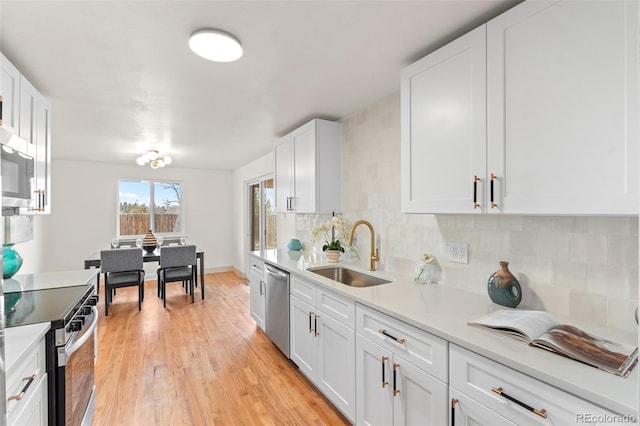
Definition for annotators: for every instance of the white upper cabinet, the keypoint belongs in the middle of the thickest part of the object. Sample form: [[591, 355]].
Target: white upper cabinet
[[283, 154], [561, 110], [43, 156], [563, 123], [444, 127], [308, 169], [28, 105], [26, 113], [10, 92]]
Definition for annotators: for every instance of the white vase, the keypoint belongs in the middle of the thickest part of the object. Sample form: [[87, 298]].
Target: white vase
[[424, 274], [333, 256]]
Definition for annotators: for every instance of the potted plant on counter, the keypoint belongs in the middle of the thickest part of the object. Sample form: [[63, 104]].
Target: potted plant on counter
[[334, 232]]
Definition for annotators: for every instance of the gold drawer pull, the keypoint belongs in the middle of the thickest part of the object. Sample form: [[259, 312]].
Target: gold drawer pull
[[542, 413], [384, 382], [19, 396], [454, 402], [396, 391], [383, 331]]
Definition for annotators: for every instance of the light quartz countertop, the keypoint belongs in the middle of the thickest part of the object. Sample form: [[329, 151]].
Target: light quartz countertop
[[17, 340], [444, 311]]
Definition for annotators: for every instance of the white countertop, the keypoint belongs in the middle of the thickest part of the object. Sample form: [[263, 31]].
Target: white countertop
[[49, 280], [18, 339], [444, 311]]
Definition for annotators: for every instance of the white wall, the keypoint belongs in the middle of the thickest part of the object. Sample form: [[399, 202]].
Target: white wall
[[262, 167], [83, 219]]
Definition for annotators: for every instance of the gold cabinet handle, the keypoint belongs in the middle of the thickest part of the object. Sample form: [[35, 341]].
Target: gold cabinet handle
[[383, 331], [476, 179], [454, 402], [384, 382], [396, 391], [542, 413], [492, 200], [19, 396]]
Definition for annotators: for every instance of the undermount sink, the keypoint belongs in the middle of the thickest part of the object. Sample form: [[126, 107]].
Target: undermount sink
[[348, 276]]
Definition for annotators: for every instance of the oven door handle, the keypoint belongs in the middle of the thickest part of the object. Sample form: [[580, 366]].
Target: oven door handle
[[86, 336]]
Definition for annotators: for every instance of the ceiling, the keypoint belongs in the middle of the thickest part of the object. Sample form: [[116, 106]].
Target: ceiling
[[121, 78]]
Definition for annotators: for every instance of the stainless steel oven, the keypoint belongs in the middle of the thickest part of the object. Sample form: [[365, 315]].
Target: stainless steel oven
[[75, 353]]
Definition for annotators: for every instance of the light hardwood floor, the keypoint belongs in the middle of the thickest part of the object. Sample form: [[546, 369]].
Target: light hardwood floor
[[197, 364]]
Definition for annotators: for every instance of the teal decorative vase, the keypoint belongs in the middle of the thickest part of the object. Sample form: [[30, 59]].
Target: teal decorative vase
[[11, 261], [503, 287]]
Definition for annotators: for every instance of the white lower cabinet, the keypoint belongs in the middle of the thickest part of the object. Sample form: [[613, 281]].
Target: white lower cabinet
[[34, 411], [27, 389], [323, 342], [490, 393], [257, 286], [466, 411], [390, 387]]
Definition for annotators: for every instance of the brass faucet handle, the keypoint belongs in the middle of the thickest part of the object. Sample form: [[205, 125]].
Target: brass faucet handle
[[375, 256]]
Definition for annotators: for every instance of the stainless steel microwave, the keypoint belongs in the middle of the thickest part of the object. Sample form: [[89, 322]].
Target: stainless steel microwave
[[17, 169]]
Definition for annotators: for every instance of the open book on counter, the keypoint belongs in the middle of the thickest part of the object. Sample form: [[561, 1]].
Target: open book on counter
[[538, 328]]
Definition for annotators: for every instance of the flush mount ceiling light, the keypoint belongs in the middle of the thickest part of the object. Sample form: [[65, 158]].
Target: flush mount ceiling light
[[215, 45], [154, 159]]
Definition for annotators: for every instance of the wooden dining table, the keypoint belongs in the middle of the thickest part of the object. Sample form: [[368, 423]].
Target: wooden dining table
[[93, 261]]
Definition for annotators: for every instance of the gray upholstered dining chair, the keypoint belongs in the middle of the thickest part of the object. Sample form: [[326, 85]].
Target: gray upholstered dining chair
[[177, 263], [122, 268]]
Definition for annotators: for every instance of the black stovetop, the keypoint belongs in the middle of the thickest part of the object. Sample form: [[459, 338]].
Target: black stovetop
[[55, 305]]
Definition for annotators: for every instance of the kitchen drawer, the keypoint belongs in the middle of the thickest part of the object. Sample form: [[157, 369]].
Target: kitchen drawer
[[256, 268], [468, 412], [475, 376], [424, 350], [303, 289], [256, 265], [340, 308], [33, 409], [31, 368]]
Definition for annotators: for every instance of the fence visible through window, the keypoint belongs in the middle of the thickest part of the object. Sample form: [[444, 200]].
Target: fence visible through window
[[145, 205]]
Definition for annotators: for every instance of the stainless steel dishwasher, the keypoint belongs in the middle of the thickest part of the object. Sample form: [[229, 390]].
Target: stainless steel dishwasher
[[277, 307]]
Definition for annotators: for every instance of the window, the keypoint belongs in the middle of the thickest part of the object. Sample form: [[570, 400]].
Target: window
[[145, 205], [262, 217]]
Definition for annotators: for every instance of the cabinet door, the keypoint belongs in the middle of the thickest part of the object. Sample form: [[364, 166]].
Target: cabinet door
[[28, 106], [10, 92], [283, 154], [43, 156], [303, 325], [420, 398], [35, 409], [374, 394], [466, 411], [336, 375], [443, 125], [563, 119], [304, 168], [257, 299]]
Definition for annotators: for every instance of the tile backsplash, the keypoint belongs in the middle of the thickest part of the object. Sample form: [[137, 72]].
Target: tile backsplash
[[583, 267]]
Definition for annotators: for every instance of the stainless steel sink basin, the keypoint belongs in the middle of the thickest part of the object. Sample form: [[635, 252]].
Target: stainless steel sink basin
[[348, 276]]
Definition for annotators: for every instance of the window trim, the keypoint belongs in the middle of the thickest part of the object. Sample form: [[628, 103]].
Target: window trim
[[151, 182]]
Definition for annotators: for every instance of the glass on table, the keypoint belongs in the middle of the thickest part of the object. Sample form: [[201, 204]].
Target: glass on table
[[183, 241], [160, 240], [139, 242], [115, 243]]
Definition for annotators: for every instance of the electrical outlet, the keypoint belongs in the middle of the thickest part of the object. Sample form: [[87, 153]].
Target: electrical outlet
[[459, 252]]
